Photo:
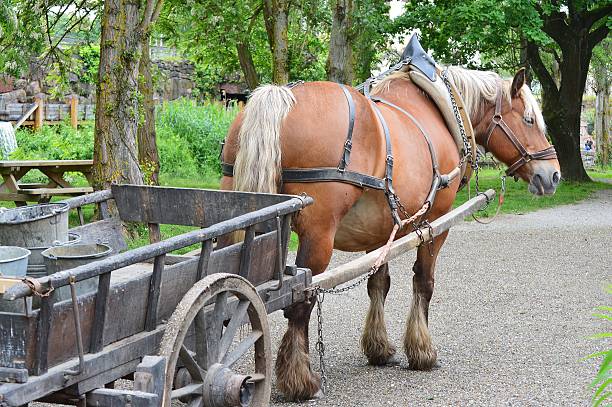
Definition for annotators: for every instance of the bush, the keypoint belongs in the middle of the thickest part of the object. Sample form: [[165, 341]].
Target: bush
[[201, 127], [188, 139], [60, 142]]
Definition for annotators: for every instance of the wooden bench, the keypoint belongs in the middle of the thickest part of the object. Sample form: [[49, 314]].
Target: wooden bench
[[54, 170]]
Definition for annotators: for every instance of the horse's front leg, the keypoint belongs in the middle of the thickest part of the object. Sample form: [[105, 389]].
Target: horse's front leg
[[374, 340], [418, 345]]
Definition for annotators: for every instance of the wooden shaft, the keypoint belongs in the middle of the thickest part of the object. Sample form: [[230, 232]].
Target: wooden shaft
[[363, 264]]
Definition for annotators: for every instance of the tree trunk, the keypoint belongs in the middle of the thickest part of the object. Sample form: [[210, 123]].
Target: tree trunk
[[248, 66], [276, 16], [340, 58], [148, 157], [603, 144], [115, 154]]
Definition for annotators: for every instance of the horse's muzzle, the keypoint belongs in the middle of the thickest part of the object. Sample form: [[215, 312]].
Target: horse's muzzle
[[545, 180]]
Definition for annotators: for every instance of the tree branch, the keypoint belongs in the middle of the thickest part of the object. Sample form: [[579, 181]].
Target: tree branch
[[598, 35], [595, 15], [533, 55]]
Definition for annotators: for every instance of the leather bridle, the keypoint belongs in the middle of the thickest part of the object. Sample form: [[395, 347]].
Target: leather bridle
[[548, 153]]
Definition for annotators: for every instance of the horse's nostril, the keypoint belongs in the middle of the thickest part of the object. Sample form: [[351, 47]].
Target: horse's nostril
[[556, 177]]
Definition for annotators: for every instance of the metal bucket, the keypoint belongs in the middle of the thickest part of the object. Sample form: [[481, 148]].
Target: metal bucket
[[35, 225], [13, 261], [37, 262], [59, 258]]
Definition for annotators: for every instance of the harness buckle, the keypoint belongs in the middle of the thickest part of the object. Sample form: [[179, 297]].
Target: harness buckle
[[497, 118], [348, 144]]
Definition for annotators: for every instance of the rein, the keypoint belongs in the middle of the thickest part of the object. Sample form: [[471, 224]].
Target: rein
[[547, 153]]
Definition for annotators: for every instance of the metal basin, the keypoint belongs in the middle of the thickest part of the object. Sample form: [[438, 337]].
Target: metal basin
[[35, 225], [13, 261]]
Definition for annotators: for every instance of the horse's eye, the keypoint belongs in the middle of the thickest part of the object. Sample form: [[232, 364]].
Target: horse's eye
[[528, 120]]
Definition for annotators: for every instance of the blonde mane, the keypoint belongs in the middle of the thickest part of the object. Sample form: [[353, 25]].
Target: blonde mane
[[478, 90]]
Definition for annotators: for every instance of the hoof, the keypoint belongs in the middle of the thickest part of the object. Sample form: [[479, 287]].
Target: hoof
[[383, 357], [422, 359], [318, 395]]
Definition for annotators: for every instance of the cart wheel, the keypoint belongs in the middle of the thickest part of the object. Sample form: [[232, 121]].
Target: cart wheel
[[219, 364]]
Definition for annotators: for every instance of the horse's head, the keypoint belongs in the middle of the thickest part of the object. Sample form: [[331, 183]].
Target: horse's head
[[512, 129]]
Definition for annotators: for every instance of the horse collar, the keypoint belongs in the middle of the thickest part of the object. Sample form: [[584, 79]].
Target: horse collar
[[547, 153]]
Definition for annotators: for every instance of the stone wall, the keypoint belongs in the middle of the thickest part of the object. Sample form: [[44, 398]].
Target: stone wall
[[175, 79]]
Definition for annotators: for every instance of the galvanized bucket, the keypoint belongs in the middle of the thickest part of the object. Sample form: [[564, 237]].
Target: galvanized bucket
[[35, 225], [13, 261], [37, 261], [66, 257]]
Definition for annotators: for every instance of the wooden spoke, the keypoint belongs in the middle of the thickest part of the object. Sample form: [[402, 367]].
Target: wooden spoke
[[195, 388], [190, 364], [242, 348], [201, 344], [232, 327], [204, 309], [216, 328]]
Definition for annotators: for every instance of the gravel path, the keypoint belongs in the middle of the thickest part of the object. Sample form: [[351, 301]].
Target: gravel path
[[510, 316]]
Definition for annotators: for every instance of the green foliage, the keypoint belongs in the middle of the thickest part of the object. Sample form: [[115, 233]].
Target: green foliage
[[602, 381], [193, 132], [371, 32], [60, 142]]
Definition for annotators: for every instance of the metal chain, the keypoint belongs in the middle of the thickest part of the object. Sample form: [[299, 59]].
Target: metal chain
[[467, 148], [320, 346], [381, 75]]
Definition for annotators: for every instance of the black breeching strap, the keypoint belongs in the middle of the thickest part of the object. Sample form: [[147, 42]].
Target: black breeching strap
[[348, 144]]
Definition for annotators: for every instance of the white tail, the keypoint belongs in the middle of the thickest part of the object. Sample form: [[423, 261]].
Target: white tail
[[258, 162]]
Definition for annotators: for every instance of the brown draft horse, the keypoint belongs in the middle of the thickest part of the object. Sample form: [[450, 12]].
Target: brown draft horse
[[305, 127]]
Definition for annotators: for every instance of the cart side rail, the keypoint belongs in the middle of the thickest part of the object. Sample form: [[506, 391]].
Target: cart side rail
[[162, 248]]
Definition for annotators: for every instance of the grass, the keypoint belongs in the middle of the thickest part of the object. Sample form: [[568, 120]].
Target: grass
[[518, 200]]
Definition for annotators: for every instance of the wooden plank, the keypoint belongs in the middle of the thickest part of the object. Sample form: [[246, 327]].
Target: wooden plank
[[118, 353], [27, 114], [39, 114], [99, 317], [246, 251], [96, 197], [82, 164], [154, 292], [184, 206], [205, 252], [109, 231], [121, 398], [361, 265], [74, 106], [45, 320], [17, 340], [166, 246], [101, 380], [57, 191], [150, 375]]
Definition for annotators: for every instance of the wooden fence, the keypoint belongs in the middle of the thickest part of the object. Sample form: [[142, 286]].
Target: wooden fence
[[38, 113]]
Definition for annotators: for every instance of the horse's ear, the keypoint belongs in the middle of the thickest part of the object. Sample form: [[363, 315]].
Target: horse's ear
[[518, 82]]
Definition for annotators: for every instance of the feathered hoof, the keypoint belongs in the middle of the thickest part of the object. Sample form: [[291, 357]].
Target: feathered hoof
[[302, 387], [382, 356], [421, 359]]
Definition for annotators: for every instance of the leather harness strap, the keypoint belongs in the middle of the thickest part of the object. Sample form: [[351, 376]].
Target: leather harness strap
[[323, 174], [348, 144], [548, 153]]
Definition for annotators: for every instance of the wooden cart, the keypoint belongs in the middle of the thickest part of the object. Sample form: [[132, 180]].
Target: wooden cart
[[188, 328], [155, 312]]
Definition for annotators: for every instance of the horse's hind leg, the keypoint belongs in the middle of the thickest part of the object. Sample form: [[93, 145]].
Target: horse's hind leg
[[418, 345], [374, 340], [294, 377]]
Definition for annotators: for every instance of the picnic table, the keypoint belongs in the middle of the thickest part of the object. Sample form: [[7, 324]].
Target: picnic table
[[13, 171]]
